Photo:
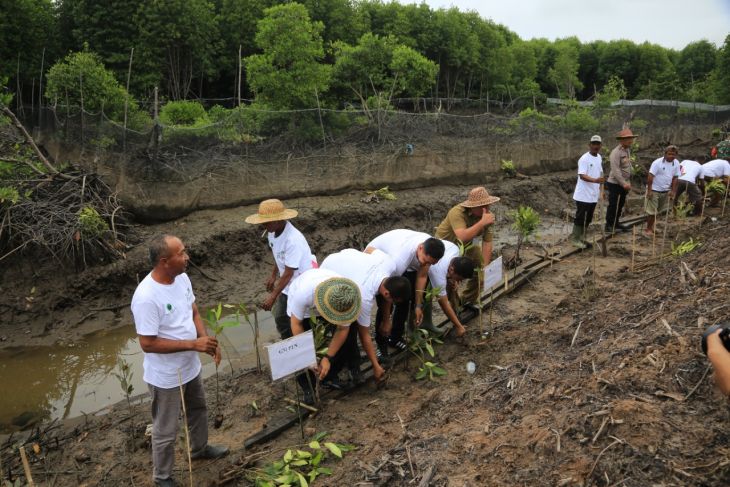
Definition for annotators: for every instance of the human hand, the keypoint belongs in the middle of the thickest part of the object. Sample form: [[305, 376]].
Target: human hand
[[460, 330], [268, 302], [601, 180], [378, 372], [217, 356], [324, 367], [270, 283], [627, 187], [419, 316], [487, 217], [206, 344]]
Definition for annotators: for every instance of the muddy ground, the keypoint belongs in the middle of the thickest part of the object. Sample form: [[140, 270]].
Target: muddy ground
[[627, 399]]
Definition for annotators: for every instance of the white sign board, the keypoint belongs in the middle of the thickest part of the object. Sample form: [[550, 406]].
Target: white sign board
[[291, 355], [493, 273]]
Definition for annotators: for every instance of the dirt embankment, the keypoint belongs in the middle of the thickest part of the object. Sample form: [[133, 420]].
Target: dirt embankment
[[587, 379]]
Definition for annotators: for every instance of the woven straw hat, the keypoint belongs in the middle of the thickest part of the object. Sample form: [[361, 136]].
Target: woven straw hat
[[271, 211], [479, 197], [626, 134], [338, 300]]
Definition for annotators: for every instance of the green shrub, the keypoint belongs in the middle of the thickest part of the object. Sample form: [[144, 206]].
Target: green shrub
[[184, 112], [91, 224], [531, 118], [580, 120], [8, 196], [508, 167], [639, 124]]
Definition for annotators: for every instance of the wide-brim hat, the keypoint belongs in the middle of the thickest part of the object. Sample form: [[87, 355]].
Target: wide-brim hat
[[479, 197], [625, 134], [338, 300], [271, 211]]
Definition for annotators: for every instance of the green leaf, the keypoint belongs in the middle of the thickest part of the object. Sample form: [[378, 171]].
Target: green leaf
[[430, 350], [285, 479], [438, 370], [303, 454], [299, 463], [317, 458], [288, 456], [314, 445], [422, 372], [320, 436], [324, 470], [334, 449], [302, 481]]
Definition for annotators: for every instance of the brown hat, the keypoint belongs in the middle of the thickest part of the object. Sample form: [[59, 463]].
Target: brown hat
[[271, 211], [626, 134], [479, 197]]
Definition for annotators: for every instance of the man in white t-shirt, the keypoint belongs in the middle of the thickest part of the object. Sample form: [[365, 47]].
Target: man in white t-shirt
[[171, 333], [716, 169], [445, 277], [374, 275], [338, 302], [691, 180], [661, 186], [292, 256], [587, 191], [413, 253]]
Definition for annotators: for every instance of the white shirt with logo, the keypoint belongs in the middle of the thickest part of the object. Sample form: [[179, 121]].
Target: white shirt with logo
[[663, 172], [716, 168], [367, 271], [588, 165], [166, 311], [401, 245], [301, 292], [437, 273], [291, 249], [690, 171]]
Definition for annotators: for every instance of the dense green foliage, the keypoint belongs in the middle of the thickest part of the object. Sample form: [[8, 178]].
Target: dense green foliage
[[347, 51]]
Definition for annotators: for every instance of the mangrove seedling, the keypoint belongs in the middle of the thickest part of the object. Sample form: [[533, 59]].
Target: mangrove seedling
[[430, 370], [508, 168], [421, 344], [715, 188], [299, 467], [526, 223], [214, 322], [124, 376], [685, 247], [383, 193]]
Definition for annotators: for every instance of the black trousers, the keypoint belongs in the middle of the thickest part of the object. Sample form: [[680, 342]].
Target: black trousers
[[616, 201], [348, 355], [399, 314], [584, 214]]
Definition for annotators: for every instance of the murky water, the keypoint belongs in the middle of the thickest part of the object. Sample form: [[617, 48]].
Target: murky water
[[64, 381]]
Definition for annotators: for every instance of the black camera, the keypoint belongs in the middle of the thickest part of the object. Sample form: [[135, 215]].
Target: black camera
[[724, 336]]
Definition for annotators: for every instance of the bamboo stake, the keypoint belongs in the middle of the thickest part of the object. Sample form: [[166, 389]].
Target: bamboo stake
[[299, 412], [305, 406], [256, 339], [26, 467], [633, 247], [185, 424], [666, 225], [704, 203], [724, 200]]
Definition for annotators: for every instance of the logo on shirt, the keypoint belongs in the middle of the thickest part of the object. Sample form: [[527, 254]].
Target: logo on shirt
[[169, 309]]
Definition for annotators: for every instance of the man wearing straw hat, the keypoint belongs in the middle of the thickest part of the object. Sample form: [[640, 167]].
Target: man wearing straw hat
[[292, 257], [338, 302], [618, 183], [375, 276], [661, 186], [171, 334], [464, 223], [587, 191], [413, 253]]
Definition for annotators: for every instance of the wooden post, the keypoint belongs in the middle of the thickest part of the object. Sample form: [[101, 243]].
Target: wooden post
[[185, 424], [724, 200], [240, 47], [26, 467], [670, 204], [256, 339], [40, 89], [126, 101], [633, 247]]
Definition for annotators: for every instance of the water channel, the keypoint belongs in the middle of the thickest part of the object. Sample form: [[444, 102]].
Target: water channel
[[72, 379]]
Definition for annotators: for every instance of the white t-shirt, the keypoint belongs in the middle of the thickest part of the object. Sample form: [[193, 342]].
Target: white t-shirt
[[591, 166], [166, 311], [291, 249], [664, 172], [437, 272], [366, 270], [300, 299], [690, 170], [401, 246], [716, 168]]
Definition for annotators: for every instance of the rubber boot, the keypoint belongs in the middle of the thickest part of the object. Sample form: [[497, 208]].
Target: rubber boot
[[427, 323], [576, 238]]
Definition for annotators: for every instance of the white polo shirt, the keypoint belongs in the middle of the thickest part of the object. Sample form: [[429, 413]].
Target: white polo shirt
[[716, 168], [301, 292], [588, 165], [690, 171], [367, 271], [401, 246], [166, 311], [663, 172], [437, 272], [291, 249]]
